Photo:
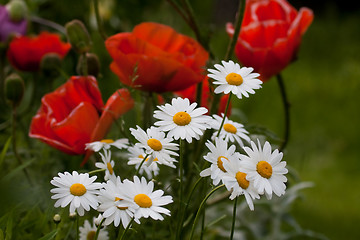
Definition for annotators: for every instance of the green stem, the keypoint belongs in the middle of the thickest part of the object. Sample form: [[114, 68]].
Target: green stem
[[77, 226], [98, 229], [96, 171], [200, 208], [99, 21], [238, 22], [194, 24], [142, 162], [233, 219], [286, 105], [181, 169], [126, 229], [48, 23], [226, 110]]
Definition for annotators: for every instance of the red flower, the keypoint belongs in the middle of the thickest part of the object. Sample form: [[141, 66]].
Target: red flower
[[206, 97], [270, 35], [153, 57], [25, 53], [74, 114]]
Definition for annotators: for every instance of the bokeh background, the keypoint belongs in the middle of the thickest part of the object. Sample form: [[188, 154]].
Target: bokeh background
[[323, 87]]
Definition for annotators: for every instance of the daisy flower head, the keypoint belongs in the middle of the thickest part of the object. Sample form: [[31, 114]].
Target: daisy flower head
[[114, 208], [149, 203], [182, 119], [236, 182], [219, 153], [136, 156], [106, 144], [78, 190], [156, 145], [232, 78], [265, 169], [88, 231], [231, 131], [107, 164]]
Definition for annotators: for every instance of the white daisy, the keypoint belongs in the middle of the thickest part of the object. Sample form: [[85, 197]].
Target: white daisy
[[114, 208], [136, 156], [232, 78], [88, 231], [107, 165], [78, 190], [106, 144], [265, 168], [217, 155], [236, 182], [231, 131], [182, 120], [156, 145], [148, 202]]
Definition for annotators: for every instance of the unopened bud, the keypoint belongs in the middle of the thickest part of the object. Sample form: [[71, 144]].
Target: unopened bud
[[78, 36], [14, 89], [57, 218], [98, 221], [93, 65], [50, 64], [73, 216], [17, 10]]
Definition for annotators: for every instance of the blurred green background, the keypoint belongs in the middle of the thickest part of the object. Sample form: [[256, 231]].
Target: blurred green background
[[322, 85]]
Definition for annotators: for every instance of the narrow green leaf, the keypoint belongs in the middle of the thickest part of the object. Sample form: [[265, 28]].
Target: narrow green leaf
[[16, 170], [1, 234], [9, 227], [3, 152], [49, 236]]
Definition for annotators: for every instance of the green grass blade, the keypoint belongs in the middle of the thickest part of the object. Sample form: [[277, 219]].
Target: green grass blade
[[3, 152], [49, 236]]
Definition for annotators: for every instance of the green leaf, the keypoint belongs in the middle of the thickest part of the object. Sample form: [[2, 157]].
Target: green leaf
[[3, 152], [1, 234], [9, 227], [16, 170], [49, 236]]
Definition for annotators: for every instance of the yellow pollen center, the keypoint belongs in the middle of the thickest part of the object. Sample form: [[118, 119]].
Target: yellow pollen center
[[154, 144], [77, 189], [264, 169], [110, 168], [108, 141], [230, 128], [182, 118], [143, 200], [234, 79], [241, 179], [119, 199], [220, 163], [91, 235]]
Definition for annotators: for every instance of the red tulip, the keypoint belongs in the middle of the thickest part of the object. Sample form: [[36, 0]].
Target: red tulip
[[74, 114], [25, 53], [153, 57], [270, 35]]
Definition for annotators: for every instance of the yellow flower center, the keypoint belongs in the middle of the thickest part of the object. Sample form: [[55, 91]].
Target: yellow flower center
[[241, 179], [110, 168], [230, 128], [143, 200], [91, 235], [108, 141], [220, 163], [119, 199], [264, 169], [154, 144], [182, 118], [77, 189], [234, 79]]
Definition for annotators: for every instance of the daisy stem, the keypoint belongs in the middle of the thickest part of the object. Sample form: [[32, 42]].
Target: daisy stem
[[226, 109], [98, 20], [142, 162], [181, 185], [286, 105], [233, 219], [126, 229], [98, 229], [200, 208], [96, 171], [77, 226], [238, 22]]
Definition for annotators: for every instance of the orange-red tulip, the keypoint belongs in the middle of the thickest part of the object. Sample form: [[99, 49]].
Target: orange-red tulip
[[153, 57]]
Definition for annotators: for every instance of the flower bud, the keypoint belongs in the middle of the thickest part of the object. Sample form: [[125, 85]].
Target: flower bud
[[73, 216], [14, 89], [78, 36], [93, 65], [49, 65], [17, 10], [57, 218]]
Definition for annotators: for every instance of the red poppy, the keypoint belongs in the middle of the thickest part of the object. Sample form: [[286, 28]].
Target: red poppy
[[270, 35], [25, 53], [153, 57], [206, 97], [74, 114]]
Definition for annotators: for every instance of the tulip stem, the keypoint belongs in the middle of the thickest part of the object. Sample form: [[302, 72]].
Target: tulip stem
[[226, 110], [286, 105], [98, 20], [238, 22]]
